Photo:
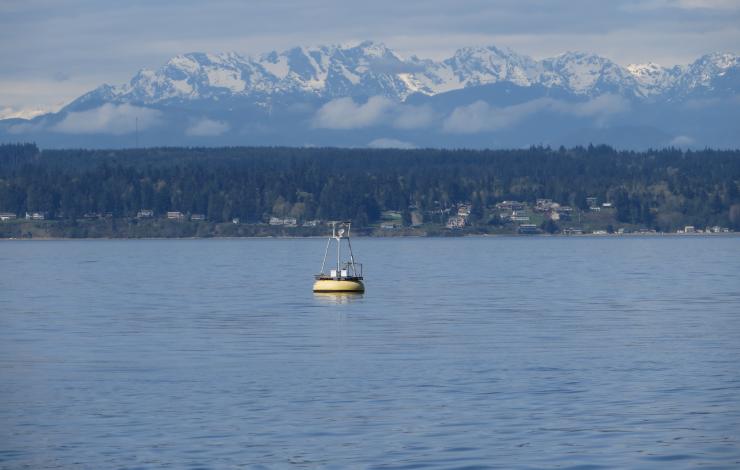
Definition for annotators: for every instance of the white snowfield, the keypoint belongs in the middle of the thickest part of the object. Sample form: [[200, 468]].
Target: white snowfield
[[371, 69]]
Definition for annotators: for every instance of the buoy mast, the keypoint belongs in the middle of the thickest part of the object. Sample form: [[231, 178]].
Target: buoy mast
[[347, 277]]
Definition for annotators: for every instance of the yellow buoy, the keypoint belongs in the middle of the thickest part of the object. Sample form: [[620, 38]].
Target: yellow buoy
[[347, 277], [338, 285]]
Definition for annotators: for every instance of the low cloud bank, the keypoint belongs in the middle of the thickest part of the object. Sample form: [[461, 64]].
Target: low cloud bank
[[482, 117], [682, 141], [345, 113], [385, 143], [207, 128], [109, 119]]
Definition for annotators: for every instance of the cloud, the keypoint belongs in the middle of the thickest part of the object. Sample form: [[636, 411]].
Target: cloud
[[207, 128], [25, 128], [345, 113], [682, 141], [601, 106], [109, 119], [683, 5], [482, 117], [385, 143]]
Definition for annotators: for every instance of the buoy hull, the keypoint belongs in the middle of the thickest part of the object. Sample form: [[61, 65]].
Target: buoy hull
[[337, 285]]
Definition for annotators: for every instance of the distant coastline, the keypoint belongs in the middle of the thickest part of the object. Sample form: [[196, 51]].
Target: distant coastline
[[100, 230], [296, 192]]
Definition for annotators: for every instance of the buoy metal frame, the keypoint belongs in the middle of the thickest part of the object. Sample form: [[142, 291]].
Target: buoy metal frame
[[347, 277]]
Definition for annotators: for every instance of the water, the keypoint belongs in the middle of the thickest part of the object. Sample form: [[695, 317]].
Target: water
[[463, 353]]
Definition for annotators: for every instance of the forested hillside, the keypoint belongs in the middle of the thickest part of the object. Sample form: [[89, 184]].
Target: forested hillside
[[663, 189]]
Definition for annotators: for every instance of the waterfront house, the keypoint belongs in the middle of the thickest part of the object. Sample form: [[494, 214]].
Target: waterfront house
[[145, 214], [456, 222], [510, 206], [287, 221], [542, 205], [564, 212], [175, 215], [198, 217], [519, 216], [528, 229], [5, 216], [36, 216], [463, 210]]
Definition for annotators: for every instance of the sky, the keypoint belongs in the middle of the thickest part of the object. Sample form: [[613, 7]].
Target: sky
[[52, 51]]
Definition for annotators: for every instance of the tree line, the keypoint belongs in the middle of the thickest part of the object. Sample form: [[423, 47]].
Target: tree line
[[662, 189]]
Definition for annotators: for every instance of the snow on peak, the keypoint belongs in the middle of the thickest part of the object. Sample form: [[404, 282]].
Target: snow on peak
[[585, 73], [702, 72], [482, 65], [653, 79], [720, 60], [643, 70], [370, 68]]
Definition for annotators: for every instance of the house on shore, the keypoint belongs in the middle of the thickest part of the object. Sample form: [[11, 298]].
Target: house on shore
[[287, 221], [543, 205], [528, 229], [519, 216], [5, 216], [463, 210], [510, 206], [456, 222]]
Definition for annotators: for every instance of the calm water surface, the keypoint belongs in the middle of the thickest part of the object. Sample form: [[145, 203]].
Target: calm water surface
[[463, 353]]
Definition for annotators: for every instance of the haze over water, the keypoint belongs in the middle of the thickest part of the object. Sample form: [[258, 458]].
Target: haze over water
[[463, 353]]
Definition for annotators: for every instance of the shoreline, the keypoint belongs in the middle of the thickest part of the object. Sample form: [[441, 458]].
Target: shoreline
[[309, 237]]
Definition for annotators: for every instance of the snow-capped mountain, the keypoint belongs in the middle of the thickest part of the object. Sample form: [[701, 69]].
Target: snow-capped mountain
[[365, 92], [652, 79], [470, 67], [587, 74], [370, 69], [366, 69]]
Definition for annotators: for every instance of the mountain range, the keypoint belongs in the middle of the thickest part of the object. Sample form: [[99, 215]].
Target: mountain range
[[367, 95]]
